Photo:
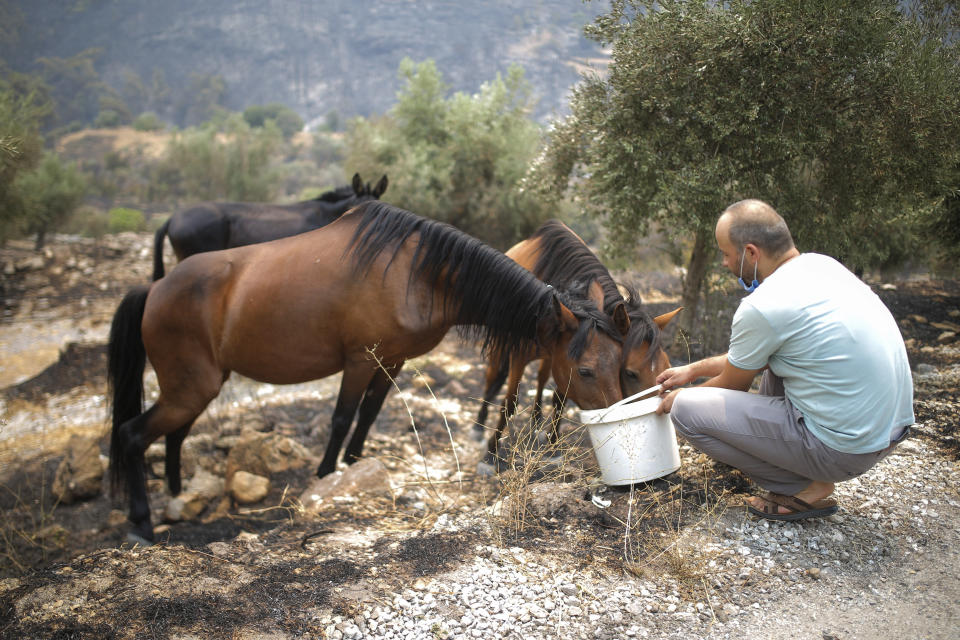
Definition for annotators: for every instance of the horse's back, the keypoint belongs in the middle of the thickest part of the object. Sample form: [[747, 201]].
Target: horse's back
[[525, 253], [200, 228], [292, 309]]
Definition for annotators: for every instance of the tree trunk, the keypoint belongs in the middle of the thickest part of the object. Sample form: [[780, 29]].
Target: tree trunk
[[41, 238], [693, 283]]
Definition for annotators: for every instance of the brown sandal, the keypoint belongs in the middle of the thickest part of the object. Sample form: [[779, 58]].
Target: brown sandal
[[799, 509]]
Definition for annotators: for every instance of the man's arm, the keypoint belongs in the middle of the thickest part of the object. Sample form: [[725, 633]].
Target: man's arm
[[679, 376], [722, 374]]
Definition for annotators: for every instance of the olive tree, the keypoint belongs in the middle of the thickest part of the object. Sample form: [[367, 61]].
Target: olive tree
[[840, 113], [21, 146], [51, 192]]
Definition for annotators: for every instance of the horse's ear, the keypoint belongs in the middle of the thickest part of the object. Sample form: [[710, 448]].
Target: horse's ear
[[357, 184], [381, 187], [595, 294], [560, 321], [620, 319], [663, 320]]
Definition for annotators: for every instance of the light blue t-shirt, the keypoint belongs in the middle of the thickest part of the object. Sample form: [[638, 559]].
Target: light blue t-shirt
[[837, 348]]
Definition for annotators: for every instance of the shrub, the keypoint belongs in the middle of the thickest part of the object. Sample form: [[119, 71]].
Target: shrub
[[148, 121], [123, 219]]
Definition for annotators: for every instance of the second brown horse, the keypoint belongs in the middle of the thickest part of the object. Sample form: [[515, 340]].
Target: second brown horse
[[558, 256]]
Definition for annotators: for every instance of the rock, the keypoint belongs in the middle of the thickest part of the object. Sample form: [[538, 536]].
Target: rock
[[917, 318], [80, 474], [185, 506], [549, 499], [116, 517], [423, 380], [247, 487], [33, 263], [368, 475], [456, 389], [907, 447], [925, 369], [264, 454], [947, 336], [206, 485], [946, 326]]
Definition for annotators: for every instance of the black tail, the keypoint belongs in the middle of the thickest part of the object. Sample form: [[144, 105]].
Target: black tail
[[158, 250], [126, 359]]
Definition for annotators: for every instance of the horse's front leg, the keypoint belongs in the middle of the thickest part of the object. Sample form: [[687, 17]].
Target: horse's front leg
[[356, 379], [559, 400], [543, 377], [492, 462], [369, 408], [497, 369]]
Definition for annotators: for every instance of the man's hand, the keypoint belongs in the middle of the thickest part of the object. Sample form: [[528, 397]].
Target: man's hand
[[667, 403], [675, 377]]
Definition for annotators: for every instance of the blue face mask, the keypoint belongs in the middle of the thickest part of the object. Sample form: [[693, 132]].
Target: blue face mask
[[753, 285]]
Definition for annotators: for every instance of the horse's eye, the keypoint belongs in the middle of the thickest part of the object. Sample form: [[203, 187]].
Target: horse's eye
[[631, 374], [585, 372]]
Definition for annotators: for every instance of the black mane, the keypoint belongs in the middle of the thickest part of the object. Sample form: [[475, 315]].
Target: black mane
[[499, 302], [565, 259], [642, 326]]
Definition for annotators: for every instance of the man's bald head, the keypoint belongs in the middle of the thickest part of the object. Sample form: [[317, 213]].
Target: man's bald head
[[756, 222]]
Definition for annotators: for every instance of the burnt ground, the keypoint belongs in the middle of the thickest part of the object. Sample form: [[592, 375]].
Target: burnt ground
[[272, 566]]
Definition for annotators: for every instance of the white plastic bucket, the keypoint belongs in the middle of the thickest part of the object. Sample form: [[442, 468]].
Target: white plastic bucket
[[632, 443]]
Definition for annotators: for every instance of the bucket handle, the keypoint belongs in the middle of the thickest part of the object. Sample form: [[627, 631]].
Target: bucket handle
[[635, 396]]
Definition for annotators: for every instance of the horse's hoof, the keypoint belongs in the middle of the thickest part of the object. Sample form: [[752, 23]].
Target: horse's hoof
[[478, 432], [491, 465], [138, 540]]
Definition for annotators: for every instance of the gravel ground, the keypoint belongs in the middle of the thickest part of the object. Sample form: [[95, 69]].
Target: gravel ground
[[886, 566]]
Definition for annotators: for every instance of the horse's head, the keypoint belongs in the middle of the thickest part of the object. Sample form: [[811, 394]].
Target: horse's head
[[366, 192], [643, 354], [585, 349]]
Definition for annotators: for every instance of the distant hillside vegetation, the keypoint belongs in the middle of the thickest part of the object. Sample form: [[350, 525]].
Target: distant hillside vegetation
[[334, 58]]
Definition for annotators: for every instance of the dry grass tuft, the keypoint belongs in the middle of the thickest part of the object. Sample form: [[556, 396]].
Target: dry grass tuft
[[665, 532], [28, 529]]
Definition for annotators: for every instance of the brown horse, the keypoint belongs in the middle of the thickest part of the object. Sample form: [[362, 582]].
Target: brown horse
[[378, 281], [558, 256], [212, 226]]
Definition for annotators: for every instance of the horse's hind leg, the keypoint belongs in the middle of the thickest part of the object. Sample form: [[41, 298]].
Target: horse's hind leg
[[369, 408], [133, 438], [356, 378], [172, 457]]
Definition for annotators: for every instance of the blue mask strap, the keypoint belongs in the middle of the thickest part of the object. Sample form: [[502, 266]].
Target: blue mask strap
[[753, 285]]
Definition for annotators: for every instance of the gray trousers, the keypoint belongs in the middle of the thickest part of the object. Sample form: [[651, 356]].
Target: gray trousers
[[763, 435]]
